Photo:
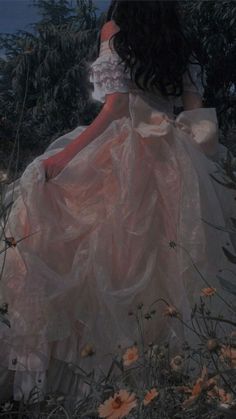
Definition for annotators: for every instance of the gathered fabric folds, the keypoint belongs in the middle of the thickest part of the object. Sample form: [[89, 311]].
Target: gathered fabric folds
[[121, 225]]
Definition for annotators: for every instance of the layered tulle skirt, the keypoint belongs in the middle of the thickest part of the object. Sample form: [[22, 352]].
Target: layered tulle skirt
[[127, 221]]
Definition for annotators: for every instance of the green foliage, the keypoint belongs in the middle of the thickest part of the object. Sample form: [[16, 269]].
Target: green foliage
[[56, 11], [211, 28], [45, 74], [166, 380]]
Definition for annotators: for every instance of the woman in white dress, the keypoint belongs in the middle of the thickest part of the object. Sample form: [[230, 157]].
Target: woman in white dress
[[100, 208]]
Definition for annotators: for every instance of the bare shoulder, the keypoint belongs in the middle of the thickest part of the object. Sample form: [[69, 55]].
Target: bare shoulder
[[108, 29]]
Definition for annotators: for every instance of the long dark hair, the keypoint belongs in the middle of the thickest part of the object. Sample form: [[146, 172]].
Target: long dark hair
[[151, 44]]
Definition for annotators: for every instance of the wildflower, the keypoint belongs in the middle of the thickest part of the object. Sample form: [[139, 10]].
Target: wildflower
[[228, 354], [221, 395], [88, 350], [7, 406], [208, 292], [150, 395], [177, 363], [130, 356], [212, 344], [118, 406], [170, 311], [202, 384]]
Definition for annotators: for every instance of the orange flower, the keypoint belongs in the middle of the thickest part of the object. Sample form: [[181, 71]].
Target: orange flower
[[150, 395], [220, 394], [170, 311], [225, 397], [118, 406], [212, 344], [201, 384], [208, 292], [228, 354], [87, 350], [130, 356], [177, 363]]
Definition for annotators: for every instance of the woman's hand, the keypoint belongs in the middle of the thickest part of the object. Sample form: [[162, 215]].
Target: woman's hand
[[55, 164]]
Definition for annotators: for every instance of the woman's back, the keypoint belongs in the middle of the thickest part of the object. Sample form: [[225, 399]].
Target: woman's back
[[108, 74]]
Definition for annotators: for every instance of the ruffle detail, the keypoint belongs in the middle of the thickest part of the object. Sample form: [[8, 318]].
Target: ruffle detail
[[98, 240], [108, 76]]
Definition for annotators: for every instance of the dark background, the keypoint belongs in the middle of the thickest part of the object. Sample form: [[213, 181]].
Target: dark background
[[18, 14]]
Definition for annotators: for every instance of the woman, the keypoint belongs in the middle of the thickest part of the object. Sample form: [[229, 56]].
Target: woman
[[108, 212]]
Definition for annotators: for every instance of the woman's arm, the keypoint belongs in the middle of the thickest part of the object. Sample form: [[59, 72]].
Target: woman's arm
[[116, 106], [191, 100], [202, 122]]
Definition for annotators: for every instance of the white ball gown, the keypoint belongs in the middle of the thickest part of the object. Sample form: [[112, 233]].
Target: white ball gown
[[98, 237]]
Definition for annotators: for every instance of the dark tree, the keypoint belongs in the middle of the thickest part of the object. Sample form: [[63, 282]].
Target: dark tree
[[44, 74]]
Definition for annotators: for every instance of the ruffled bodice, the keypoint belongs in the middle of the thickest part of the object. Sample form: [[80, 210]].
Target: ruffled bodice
[[108, 75]]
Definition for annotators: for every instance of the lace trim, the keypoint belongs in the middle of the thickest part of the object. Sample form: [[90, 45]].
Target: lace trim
[[108, 76], [107, 65], [110, 86]]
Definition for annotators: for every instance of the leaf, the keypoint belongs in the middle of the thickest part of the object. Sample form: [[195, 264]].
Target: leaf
[[227, 285], [4, 209], [220, 228], [229, 255], [4, 320], [229, 185], [233, 221]]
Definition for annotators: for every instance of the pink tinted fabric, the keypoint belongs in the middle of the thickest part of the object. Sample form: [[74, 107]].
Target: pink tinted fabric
[[100, 244]]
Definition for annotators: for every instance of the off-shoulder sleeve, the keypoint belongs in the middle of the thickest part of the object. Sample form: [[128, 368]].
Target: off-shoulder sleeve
[[108, 75]]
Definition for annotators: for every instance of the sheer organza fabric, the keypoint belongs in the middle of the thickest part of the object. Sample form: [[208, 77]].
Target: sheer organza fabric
[[98, 241]]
